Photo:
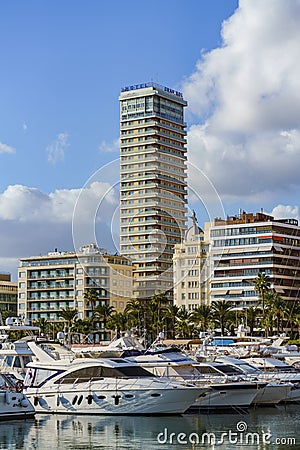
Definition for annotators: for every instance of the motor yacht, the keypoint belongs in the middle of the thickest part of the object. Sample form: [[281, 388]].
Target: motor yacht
[[271, 392], [275, 369], [101, 386], [13, 403], [219, 393]]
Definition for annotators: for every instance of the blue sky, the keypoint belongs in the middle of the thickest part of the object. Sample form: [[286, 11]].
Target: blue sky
[[63, 64]]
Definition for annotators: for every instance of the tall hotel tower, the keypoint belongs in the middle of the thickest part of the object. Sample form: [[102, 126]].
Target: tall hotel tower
[[153, 183]]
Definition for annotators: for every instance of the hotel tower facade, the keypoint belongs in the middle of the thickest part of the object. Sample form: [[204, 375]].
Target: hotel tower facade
[[153, 183]]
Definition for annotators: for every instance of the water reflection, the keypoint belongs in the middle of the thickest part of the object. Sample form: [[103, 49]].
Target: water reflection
[[59, 432]]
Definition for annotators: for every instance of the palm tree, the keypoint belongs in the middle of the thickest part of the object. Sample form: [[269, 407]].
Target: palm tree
[[43, 325], [292, 312], [136, 312], [153, 313], [103, 313], [82, 326], [69, 315], [221, 311], [296, 321], [117, 322], [251, 315], [170, 313], [91, 296], [262, 284], [202, 316], [183, 324], [276, 306]]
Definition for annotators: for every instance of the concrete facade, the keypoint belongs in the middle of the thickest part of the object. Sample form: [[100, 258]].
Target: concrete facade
[[243, 246], [153, 183], [8, 294], [47, 284], [191, 269]]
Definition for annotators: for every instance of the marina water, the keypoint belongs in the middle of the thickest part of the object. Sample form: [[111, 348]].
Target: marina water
[[274, 428]]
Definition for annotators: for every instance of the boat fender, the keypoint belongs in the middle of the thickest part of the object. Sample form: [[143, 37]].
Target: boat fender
[[7, 397], [43, 403], [25, 402], [58, 401], [65, 402], [96, 398]]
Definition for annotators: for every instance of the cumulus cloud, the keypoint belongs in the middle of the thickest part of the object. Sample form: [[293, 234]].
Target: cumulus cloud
[[34, 222], [244, 102], [109, 147], [56, 151], [4, 148], [27, 204], [286, 212]]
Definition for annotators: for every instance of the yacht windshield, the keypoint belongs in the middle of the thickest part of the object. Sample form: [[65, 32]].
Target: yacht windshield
[[229, 370], [98, 373]]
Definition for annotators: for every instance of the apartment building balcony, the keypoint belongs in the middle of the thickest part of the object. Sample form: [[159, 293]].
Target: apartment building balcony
[[49, 287], [49, 275]]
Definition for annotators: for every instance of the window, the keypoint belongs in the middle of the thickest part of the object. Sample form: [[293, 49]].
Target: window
[[100, 372]]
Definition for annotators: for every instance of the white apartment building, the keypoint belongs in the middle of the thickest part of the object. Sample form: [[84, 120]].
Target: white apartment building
[[191, 269], [243, 246], [47, 284], [153, 183]]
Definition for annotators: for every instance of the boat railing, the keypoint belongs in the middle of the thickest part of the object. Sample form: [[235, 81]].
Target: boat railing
[[113, 383]]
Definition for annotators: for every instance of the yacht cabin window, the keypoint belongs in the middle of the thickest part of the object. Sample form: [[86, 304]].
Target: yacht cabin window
[[98, 373]]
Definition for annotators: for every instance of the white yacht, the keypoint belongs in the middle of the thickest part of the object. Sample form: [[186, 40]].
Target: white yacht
[[101, 386], [271, 392], [14, 356], [13, 403], [218, 392], [275, 369]]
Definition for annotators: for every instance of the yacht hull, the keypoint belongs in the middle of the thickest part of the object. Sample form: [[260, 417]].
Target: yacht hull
[[226, 396], [112, 401], [272, 394], [14, 405]]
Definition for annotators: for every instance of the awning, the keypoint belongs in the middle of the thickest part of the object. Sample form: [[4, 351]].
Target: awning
[[237, 291], [277, 248], [266, 248], [279, 289], [219, 292]]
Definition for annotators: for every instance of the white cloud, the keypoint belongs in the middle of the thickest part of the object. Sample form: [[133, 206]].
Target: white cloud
[[26, 204], [110, 147], [4, 148], [286, 212], [56, 151], [244, 99], [33, 222]]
